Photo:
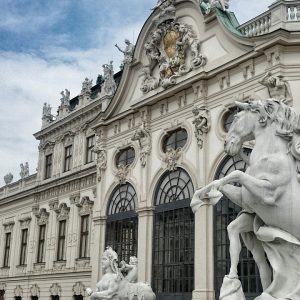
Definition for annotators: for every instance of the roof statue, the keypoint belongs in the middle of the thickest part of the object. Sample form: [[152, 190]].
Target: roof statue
[[278, 88], [109, 86], [8, 178], [206, 6], [65, 97], [113, 285], [87, 86], [128, 52], [172, 49], [268, 194], [24, 170]]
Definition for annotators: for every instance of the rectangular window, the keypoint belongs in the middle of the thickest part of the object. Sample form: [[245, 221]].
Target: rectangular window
[[84, 236], [41, 244], [90, 154], [7, 249], [48, 166], [61, 240], [68, 158], [23, 246]]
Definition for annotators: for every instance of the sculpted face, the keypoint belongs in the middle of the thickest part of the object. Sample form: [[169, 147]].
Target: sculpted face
[[105, 262]]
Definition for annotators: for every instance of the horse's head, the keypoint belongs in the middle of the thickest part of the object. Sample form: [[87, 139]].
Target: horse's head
[[241, 129]]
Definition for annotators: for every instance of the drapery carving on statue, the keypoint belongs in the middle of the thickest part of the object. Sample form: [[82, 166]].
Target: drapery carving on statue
[[202, 123], [268, 193], [109, 86], [143, 137], [172, 50], [87, 86]]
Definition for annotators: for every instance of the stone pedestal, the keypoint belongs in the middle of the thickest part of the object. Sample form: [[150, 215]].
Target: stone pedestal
[[204, 260]]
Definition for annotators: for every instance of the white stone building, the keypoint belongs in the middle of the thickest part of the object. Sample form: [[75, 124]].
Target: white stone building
[[119, 163]]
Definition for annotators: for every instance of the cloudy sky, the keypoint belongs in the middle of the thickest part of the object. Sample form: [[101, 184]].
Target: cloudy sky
[[49, 45]]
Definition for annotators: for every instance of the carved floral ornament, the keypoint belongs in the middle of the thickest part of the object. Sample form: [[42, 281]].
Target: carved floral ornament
[[24, 222], [55, 289], [172, 157], [42, 216], [8, 225], [67, 138], [143, 137], [85, 206], [173, 50], [18, 291], [78, 288], [202, 123], [35, 290], [62, 212]]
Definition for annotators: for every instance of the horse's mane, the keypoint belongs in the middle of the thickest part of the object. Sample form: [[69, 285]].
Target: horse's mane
[[287, 120]]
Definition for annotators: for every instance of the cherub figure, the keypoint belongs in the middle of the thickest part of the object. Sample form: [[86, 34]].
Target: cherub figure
[[131, 269]]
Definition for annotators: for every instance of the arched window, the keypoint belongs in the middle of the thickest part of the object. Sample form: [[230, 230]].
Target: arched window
[[122, 222], [175, 139], [125, 157], [225, 212], [173, 237]]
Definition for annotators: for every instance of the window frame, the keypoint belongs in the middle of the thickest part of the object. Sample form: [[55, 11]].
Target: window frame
[[61, 239], [177, 142], [84, 237], [68, 158], [48, 166], [128, 160], [7, 247], [90, 154], [41, 244], [23, 248]]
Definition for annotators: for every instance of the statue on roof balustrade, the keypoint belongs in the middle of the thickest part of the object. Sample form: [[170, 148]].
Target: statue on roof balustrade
[[128, 52]]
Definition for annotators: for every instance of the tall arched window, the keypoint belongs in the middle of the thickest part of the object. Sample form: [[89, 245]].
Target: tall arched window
[[225, 212], [173, 237], [122, 222]]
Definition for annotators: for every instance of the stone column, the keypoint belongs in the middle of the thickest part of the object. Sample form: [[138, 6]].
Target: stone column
[[145, 234], [204, 258]]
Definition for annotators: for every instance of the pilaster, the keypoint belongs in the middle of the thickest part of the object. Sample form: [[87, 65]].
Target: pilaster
[[204, 259]]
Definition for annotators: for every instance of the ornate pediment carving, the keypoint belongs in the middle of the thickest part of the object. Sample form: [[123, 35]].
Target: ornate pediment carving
[[62, 212], [173, 50], [42, 216], [85, 206], [55, 289]]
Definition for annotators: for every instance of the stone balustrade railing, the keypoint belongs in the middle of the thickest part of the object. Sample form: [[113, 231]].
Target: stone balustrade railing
[[281, 14], [18, 186]]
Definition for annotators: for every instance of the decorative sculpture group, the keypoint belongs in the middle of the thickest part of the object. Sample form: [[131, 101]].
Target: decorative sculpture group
[[268, 194], [114, 285], [24, 170]]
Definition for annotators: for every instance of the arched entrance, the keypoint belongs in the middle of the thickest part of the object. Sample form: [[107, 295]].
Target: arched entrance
[[173, 237], [122, 222]]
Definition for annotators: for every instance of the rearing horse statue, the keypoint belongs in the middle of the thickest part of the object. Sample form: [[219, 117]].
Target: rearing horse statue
[[269, 196]]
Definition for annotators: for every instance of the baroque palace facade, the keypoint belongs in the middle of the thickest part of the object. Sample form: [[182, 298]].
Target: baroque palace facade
[[119, 163]]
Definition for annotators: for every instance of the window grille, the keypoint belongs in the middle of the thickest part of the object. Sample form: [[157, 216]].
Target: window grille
[[68, 158]]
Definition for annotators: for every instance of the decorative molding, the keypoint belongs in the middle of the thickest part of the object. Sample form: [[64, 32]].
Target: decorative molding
[[74, 199], [82, 263], [224, 80], [59, 265], [202, 123], [143, 138], [248, 69], [67, 138], [167, 50], [35, 290], [78, 288], [200, 89], [8, 225], [18, 291], [53, 204], [62, 212], [122, 172], [25, 222], [172, 157], [273, 55], [55, 289], [47, 146], [42, 216], [85, 206]]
